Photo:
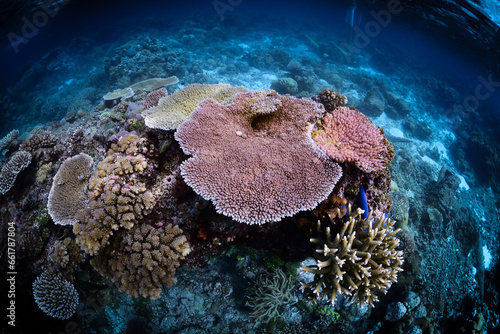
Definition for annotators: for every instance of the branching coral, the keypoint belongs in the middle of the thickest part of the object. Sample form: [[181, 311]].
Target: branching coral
[[143, 259], [254, 159], [65, 257], [55, 296], [360, 260], [269, 295], [19, 161], [36, 141], [331, 99], [348, 136], [68, 192], [174, 109], [118, 194]]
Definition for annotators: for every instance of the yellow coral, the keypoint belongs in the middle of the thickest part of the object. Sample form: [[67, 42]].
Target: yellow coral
[[174, 109]]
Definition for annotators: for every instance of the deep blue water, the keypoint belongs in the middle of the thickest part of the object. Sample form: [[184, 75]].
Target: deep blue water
[[440, 58]]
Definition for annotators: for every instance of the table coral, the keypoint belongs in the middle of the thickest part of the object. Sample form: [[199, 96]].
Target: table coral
[[174, 109], [143, 259], [254, 158], [360, 260], [348, 136], [118, 194], [68, 192]]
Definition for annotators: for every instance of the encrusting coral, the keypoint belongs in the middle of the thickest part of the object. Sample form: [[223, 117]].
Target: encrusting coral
[[254, 158], [68, 192], [55, 296], [143, 259], [118, 194], [19, 161], [174, 109], [360, 260], [348, 136]]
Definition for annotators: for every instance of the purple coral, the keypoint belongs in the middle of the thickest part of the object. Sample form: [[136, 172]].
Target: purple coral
[[254, 159], [348, 136], [153, 97]]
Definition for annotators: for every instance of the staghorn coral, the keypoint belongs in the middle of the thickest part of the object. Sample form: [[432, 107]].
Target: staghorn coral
[[118, 194], [55, 296], [269, 295], [19, 161], [174, 109], [154, 97], [348, 136], [360, 260], [68, 192], [254, 159], [331, 99], [36, 141], [141, 260]]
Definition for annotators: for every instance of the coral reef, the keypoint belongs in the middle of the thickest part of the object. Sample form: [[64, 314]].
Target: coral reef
[[141, 260], [360, 260], [174, 109], [19, 161], [269, 294], [68, 192], [118, 194], [253, 158], [55, 296], [348, 136]]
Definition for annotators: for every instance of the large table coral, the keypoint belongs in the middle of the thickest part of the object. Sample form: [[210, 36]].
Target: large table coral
[[254, 158]]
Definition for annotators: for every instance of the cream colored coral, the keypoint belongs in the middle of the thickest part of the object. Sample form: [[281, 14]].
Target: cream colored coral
[[68, 192], [359, 261], [174, 109]]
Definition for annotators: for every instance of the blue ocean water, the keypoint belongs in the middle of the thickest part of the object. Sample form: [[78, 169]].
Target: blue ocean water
[[426, 73]]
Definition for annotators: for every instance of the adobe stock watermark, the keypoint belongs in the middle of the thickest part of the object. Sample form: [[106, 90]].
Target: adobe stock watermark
[[223, 6], [363, 37], [30, 27], [471, 103]]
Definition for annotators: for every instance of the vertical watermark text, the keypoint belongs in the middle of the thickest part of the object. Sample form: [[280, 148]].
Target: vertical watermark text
[[11, 273]]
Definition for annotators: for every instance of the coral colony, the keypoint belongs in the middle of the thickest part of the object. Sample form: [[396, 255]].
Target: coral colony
[[258, 156]]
